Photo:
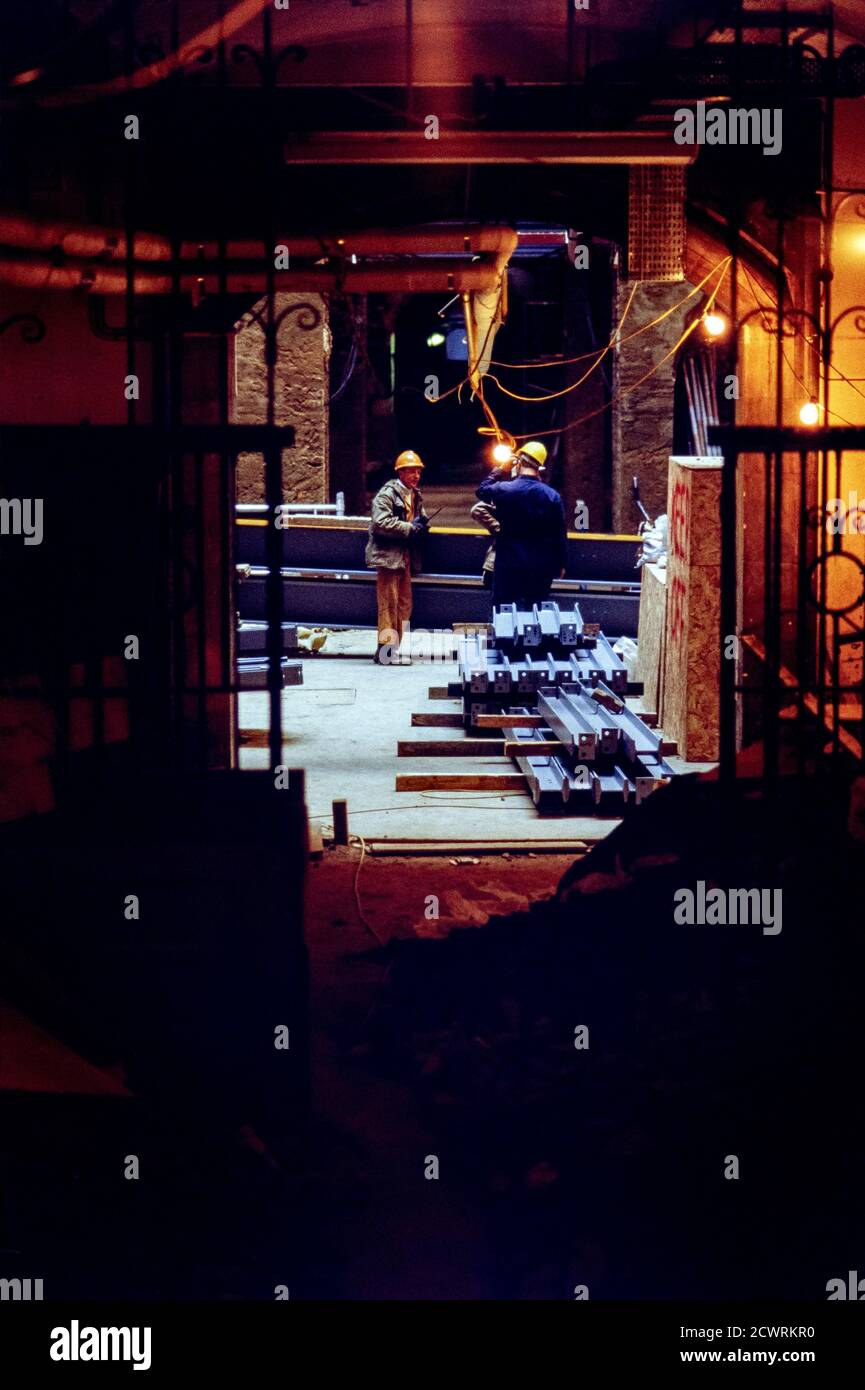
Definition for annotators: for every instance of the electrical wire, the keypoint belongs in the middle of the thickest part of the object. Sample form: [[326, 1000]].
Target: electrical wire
[[626, 390], [615, 338], [360, 912], [347, 375], [553, 395], [494, 428], [584, 356]]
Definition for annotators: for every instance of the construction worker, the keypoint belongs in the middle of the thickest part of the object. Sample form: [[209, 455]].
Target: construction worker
[[485, 515], [397, 524], [532, 536]]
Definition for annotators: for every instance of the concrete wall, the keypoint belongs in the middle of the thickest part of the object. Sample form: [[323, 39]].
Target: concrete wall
[[301, 389]]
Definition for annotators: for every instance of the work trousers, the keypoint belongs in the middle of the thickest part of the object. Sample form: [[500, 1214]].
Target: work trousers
[[393, 594]]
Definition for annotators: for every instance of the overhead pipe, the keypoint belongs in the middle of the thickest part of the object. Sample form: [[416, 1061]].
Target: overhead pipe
[[111, 243], [433, 278], [189, 52]]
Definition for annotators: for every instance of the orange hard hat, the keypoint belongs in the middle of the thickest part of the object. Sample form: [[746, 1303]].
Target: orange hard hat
[[408, 459]]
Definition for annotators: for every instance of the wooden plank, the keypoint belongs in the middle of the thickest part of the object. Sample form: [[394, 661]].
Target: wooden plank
[[255, 738], [461, 782], [530, 748], [435, 720], [449, 747], [508, 721], [456, 847]]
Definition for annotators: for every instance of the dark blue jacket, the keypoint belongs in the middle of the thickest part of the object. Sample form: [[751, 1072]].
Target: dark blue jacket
[[532, 541]]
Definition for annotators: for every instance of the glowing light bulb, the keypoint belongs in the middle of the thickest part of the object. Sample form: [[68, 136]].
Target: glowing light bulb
[[714, 324], [435, 339], [502, 453], [809, 413]]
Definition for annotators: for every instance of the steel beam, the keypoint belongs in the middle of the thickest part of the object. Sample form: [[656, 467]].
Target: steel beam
[[546, 776], [252, 673], [569, 724], [252, 638]]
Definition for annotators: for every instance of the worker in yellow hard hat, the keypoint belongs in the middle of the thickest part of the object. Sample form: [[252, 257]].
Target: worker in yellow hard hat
[[532, 454], [397, 525], [532, 536]]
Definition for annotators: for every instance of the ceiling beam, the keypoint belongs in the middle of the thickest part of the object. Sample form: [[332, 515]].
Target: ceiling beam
[[489, 147]]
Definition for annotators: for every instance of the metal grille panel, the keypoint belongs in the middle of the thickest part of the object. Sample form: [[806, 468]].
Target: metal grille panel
[[656, 222]]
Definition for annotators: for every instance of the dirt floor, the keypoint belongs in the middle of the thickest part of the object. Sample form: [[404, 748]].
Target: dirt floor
[[386, 1231], [461, 1144]]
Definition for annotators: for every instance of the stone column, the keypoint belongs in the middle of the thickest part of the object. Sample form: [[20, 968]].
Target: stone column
[[643, 416], [301, 390]]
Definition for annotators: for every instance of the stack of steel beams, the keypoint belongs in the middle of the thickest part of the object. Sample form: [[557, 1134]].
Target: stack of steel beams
[[602, 756], [547, 626], [612, 756], [496, 675], [547, 662]]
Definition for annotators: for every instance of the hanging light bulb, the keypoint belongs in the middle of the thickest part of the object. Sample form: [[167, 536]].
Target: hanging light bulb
[[714, 323], [809, 413]]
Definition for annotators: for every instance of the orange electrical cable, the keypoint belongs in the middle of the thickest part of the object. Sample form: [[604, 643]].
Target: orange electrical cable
[[553, 395], [626, 390], [566, 361], [493, 426]]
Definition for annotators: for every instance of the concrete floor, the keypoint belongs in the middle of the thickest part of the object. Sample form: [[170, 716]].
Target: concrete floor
[[342, 727]]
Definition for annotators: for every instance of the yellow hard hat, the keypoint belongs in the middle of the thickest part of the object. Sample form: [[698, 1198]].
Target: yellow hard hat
[[408, 459], [535, 451]]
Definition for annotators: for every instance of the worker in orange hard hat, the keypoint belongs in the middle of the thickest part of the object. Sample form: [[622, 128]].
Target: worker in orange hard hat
[[396, 527]]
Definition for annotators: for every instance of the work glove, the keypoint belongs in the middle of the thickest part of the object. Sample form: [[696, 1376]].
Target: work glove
[[418, 526]]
